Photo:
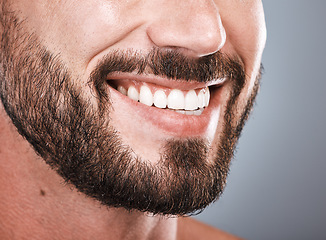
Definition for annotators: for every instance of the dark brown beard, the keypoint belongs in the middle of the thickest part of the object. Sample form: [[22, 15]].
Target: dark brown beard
[[74, 138]]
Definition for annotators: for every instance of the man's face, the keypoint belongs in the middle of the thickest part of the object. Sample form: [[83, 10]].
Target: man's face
[[138, 104]]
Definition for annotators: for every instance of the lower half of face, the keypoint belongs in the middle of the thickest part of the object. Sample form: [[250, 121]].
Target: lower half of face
[[164, 149]]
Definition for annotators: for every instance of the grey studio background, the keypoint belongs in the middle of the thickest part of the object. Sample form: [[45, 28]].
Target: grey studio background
[[276, 188]]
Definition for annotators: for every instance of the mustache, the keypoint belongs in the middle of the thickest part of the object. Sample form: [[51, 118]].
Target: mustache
[[170, 64]]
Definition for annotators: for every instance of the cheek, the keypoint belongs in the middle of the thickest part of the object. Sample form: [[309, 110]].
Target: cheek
[[244, 22], [80, 30], [245, 28], [76, 30]]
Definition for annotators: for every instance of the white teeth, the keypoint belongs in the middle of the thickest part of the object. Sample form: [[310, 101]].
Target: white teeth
[[189, 113], [133, 93], [191, 100], [146, 96], [181, 111], [201, 98], [189, 103], [122, 90], [198, 112], [160, 99], [176, 99], [207, 97]]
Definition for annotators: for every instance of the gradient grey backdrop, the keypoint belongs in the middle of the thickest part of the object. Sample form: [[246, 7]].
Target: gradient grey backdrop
[[276, 188]]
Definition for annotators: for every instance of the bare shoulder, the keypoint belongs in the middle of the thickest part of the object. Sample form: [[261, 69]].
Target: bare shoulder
[[191, 229]]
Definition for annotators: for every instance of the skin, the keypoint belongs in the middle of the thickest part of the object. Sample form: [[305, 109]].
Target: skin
[[82, 32]]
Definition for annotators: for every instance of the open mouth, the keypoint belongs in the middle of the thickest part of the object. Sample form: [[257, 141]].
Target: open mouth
[[190, 101], [178, 108]]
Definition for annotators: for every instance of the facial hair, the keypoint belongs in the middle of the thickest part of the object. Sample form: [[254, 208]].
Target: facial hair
[[76, 139]]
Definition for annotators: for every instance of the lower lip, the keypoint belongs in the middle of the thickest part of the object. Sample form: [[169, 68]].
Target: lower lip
[[173, 123]]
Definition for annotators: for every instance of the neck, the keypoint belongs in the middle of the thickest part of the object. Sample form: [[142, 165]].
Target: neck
[[35, 202]]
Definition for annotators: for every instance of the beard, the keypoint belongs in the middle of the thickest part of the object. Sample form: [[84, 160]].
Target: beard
[[74, 136]]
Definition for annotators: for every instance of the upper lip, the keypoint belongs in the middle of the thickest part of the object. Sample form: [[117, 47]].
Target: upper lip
[[165, 82]]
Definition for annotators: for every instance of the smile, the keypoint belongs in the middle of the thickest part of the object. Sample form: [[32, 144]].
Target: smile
[[179, 107], [188, 102], [191, 102]]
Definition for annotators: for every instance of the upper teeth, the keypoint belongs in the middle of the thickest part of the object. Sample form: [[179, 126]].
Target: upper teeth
[[176, 99]]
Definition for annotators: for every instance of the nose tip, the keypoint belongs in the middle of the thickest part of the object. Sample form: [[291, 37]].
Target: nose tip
[[197, 29], [209, 38]]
